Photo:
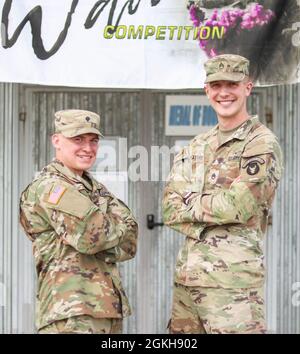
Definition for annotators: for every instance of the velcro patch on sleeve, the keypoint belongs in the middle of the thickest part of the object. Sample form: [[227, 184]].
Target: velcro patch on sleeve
[[56, 194], [253, 165], [254, 168], [75, 203]]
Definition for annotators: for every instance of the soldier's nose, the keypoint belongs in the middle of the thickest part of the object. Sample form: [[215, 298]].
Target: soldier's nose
[[223, 91], [87, 147]]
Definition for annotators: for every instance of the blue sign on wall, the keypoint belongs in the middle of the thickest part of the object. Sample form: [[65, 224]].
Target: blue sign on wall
[[189, 115]]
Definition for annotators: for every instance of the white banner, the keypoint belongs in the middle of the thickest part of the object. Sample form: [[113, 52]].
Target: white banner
[[160, 44], [68, 43]]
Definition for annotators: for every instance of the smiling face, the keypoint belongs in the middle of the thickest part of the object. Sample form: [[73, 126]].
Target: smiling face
[[229, 98], [77, 153]]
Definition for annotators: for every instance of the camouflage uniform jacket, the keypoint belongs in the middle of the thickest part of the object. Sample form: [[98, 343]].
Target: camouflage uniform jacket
[[79, 231], [220, 197]]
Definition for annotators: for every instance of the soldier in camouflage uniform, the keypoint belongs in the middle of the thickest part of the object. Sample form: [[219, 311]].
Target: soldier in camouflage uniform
[[79, 232], [219, 194]]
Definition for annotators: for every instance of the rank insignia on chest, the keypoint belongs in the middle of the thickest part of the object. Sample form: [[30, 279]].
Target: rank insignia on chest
[[56, 194]]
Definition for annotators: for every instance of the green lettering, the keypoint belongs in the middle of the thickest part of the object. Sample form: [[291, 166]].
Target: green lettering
[[107, 30], [219, 31], [121, 32], [172, 30], [205, 32], [150, 31], [132, 34], [188, 30], [161, 31]]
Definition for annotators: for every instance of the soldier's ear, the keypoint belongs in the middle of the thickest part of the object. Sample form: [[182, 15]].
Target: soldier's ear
[[249, 86], [55, 141], [206, 89]]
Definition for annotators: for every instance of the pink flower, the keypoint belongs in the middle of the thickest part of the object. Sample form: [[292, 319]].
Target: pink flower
[[246, 17], [213, 52], [194, 17], [234, 19], [214, 15]]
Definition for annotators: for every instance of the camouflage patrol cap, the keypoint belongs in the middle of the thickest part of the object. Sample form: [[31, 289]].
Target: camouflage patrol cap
[[73, 122], [229, 67]]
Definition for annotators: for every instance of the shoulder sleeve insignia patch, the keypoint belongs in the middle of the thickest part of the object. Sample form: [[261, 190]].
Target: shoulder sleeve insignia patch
[[252, 165], [56, 194]]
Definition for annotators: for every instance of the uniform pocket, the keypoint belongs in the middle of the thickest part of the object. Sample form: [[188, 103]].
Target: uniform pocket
[[226, 170]]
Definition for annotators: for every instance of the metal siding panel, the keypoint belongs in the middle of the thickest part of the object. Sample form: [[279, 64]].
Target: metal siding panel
[[168, 242], [286, 212], [9, 273]]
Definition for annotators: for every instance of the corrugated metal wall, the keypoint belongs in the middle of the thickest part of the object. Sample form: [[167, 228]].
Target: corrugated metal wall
[[14, 253], [284, 243], [148, 279]]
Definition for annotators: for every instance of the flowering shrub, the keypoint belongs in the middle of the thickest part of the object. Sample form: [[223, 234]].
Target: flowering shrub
[[264, 31], [238, 24]]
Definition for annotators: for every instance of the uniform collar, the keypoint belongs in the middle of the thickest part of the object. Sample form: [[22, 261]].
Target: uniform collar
[[245, 128], [242, 132], [75, 178]]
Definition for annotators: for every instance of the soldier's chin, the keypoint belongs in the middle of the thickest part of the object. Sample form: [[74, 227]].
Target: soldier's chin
[[85, 165]]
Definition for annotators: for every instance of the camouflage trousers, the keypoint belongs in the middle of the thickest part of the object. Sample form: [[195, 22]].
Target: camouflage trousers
[[215, 310], [84, 325]]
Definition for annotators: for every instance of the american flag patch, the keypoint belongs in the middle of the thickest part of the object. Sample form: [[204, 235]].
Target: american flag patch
[[56, 193]]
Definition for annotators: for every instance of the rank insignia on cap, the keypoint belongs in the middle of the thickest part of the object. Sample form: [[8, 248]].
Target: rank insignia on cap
[[56, 193]]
